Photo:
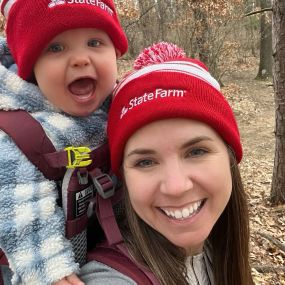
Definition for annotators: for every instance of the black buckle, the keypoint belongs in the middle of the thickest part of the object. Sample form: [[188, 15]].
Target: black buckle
[[104, 185]]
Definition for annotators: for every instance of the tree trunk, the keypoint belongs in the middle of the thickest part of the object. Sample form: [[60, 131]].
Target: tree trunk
[[278, 180], [203, 35], [249, 7], [162, 6], [265, 63], [148, 21]]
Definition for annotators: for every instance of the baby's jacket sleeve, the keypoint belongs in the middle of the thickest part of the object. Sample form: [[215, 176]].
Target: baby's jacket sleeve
[[31, 223]]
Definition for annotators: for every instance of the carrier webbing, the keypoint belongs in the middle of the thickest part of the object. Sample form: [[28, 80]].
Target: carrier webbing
[[112, 251], [29, 136], [3, 261], [114, 258]]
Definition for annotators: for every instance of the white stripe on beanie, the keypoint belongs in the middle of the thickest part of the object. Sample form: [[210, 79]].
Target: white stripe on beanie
[[185, 67], [7, 6]]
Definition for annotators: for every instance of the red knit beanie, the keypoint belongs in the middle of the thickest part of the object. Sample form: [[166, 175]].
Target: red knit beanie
[[32, 24], [166, 84]]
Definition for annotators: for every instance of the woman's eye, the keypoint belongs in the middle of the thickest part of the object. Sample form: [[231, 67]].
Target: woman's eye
[[93, 43], [196, 152], [55, 48], [143, 163]]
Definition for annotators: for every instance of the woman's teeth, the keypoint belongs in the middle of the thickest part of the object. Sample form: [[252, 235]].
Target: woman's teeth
[[184, 212]]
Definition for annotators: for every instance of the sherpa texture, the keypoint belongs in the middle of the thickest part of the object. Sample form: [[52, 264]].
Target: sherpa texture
[[31, 224]]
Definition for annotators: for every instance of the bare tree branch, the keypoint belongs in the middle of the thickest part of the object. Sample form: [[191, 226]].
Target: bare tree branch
[[274, 240], [141, 16], [268, 268], [259, 11]]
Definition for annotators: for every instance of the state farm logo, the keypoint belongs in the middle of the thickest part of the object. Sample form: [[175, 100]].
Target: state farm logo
[[123, 112], [55, 3], [148, 97], [96, 3]]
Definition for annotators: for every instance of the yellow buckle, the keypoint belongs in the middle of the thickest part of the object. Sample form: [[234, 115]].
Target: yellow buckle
[[78, 156]]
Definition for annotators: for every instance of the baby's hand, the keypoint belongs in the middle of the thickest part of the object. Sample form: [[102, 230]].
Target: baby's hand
[[69, 280]]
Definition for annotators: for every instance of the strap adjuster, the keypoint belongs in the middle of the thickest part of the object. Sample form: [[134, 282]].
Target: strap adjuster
[[104, 185], [78, 156]]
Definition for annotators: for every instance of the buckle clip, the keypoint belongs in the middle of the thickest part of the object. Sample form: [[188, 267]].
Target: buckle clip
[[82, 177], [104, 185], [78, 156]]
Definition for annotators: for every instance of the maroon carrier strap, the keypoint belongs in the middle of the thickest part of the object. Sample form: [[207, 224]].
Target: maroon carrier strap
[[29, 136], [3, 261], [114, 258], [112, 251], [1, 278]]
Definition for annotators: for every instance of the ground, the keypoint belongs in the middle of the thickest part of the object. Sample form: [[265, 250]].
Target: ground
[[253, 105]]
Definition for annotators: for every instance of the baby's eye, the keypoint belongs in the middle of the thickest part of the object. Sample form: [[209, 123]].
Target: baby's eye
[[55, 48], [93, 43]]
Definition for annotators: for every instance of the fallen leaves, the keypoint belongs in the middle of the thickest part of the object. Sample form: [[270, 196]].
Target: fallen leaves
[[253, 103]]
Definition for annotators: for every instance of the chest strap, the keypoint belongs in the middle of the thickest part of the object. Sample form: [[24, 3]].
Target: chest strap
[[29, 136]]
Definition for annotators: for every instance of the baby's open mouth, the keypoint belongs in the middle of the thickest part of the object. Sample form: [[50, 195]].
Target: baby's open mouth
[[82, 87]]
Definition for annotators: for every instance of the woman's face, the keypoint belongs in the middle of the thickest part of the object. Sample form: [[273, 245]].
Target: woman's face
[[178, 177]]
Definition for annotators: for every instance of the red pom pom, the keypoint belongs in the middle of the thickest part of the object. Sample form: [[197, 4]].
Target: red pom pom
[[157, 53]]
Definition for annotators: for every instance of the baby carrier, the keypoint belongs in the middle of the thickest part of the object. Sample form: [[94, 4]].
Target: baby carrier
[[86, 190]]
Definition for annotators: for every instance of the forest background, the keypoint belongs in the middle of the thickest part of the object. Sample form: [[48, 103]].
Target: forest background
[[234, 39]]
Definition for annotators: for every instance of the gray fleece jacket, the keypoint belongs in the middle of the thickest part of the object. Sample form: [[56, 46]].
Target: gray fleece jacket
[[199, 272]]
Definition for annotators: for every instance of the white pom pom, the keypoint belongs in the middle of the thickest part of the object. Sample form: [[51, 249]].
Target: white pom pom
[[157, 53]]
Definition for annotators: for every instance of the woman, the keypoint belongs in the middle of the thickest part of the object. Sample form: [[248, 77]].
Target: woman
[[175, 143]]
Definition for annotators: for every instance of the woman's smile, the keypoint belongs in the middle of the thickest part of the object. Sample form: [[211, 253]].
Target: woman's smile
[[184, 212]]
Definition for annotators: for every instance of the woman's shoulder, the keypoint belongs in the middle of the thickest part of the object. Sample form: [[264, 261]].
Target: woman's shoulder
[[97, 273]]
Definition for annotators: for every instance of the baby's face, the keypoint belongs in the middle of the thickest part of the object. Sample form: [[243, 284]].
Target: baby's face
[[77, 70]]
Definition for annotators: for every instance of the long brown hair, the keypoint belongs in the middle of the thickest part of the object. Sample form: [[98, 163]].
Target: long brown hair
[[229, 242]]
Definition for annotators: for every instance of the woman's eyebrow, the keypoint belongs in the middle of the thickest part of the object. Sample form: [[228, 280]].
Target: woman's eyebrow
[[140, 151], [146, 151], [196, 140]]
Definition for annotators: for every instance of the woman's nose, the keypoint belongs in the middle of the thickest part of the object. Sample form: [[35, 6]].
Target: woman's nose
[[176, 180]]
